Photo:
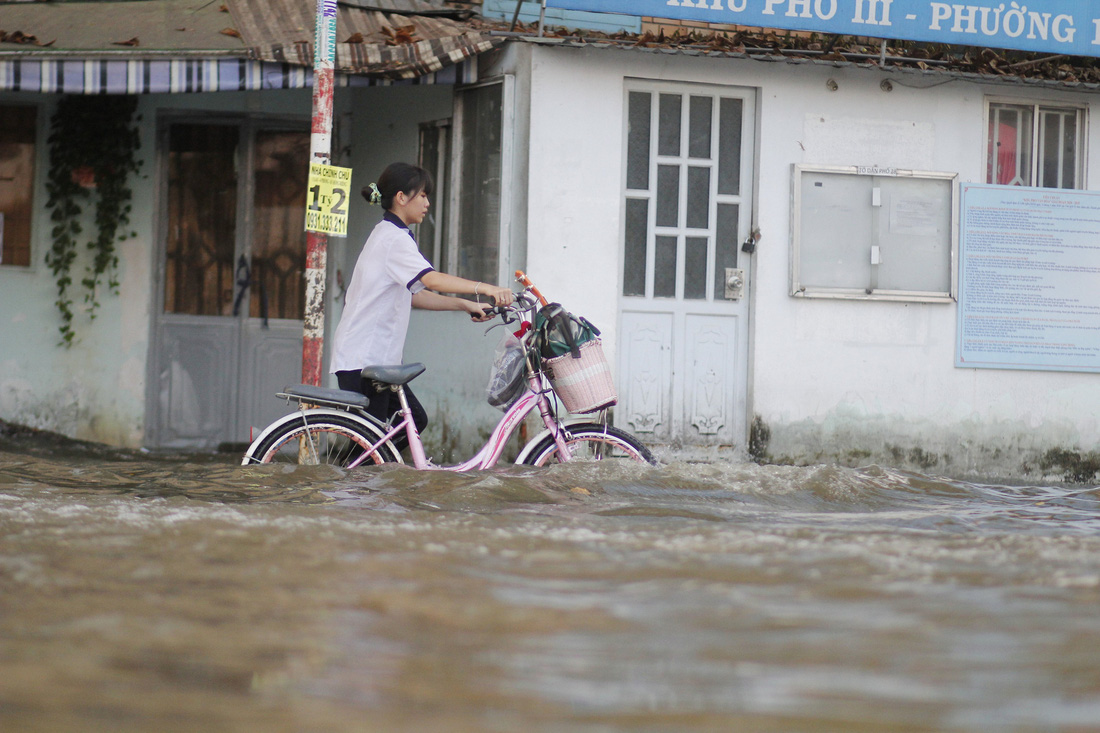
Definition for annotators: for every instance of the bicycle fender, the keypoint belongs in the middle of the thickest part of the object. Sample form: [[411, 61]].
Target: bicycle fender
[[527, 449], [369, 427]]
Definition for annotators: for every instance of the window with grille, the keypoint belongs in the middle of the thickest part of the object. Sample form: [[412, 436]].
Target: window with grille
[[683, 193], [1035, 145]]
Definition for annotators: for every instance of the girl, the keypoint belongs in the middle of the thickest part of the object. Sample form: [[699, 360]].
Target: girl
[[391, 277]]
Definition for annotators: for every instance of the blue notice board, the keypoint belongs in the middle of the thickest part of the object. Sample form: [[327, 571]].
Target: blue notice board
[[1029, 279]]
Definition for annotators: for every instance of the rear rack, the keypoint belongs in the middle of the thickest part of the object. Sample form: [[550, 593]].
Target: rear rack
[[341, 399]]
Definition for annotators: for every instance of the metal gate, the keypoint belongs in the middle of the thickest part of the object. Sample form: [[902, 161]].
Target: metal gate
[[228, 331]]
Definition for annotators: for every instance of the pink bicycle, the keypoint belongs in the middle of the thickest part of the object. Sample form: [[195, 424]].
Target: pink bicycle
[[332, 426]]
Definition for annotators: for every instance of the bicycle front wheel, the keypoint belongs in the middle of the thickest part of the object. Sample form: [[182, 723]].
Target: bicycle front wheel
[[320, 439], [592, 442]]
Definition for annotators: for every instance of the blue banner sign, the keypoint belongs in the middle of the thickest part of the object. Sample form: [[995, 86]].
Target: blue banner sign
[[1047, 26], [1028, 272]]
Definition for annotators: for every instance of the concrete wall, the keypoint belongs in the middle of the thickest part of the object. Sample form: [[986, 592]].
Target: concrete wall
[[855, 382], [94, 390]]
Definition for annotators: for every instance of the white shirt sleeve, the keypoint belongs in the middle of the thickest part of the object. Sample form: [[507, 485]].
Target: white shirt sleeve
[[405, 265]]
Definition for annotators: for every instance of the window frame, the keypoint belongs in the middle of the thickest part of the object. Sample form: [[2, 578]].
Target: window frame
[[36, 175], [1038, 106], [450, 248], [800, 290], [442, 167]]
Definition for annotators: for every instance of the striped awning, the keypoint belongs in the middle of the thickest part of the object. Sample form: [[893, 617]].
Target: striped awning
[[177, 46], [174, 76]]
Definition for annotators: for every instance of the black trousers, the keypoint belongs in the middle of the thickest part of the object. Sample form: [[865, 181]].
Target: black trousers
[[383, 405]]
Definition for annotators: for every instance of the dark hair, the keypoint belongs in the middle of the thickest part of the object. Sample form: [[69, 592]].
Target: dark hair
[[408, 179]]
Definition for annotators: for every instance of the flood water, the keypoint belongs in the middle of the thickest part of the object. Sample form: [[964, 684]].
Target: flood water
[[145, 593]]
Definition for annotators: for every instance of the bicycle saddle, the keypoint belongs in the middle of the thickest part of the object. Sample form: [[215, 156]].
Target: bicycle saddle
[[399, 374]]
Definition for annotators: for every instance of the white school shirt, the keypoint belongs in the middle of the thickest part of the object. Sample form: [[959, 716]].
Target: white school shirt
[[376, 310]]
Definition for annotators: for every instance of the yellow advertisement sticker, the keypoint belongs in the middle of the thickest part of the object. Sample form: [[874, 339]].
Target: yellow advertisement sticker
[[327, 200]]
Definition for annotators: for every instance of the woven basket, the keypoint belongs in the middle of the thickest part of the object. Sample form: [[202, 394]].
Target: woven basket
[[584, 384]]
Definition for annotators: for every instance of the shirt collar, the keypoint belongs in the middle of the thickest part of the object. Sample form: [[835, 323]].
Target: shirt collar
[[394, 219]]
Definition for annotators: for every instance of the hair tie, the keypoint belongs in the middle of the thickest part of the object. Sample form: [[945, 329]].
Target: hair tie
[[375, 195]]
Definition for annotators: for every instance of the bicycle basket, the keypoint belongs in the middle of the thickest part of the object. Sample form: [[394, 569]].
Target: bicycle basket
[[584, 384], [506, 376]]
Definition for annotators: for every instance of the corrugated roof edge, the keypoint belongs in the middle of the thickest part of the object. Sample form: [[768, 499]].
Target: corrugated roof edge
[[938, 62]]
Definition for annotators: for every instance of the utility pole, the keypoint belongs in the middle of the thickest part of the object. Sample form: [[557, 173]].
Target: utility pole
[[320, 149]]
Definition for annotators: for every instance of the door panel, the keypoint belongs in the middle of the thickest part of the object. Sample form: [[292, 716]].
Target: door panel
[[273, 358], [194, 380], [646, 374], [711, 387], [201, 213], [278, 236]]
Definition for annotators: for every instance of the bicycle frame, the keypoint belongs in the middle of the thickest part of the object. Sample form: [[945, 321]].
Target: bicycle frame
[[374, 435], [490, 453]]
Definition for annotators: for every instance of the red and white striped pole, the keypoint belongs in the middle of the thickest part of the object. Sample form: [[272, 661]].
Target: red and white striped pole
[[320, 148]]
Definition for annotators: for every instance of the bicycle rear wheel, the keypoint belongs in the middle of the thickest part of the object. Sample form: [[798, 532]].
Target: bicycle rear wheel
[[592, 442], [320, 439]]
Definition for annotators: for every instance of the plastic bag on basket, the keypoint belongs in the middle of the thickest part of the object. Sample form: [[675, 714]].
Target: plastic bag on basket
[[506, 378]]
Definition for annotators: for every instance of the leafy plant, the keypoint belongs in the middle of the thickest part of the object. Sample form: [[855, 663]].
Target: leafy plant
[[93, 151]]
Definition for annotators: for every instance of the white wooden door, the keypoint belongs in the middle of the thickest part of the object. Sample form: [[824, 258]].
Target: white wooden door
[[684, 302]]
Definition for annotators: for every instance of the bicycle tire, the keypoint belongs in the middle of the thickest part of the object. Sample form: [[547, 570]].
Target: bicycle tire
[[592, 442], [335, 440]]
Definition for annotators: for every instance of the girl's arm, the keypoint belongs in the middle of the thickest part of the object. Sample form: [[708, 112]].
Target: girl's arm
[[444, 283], [428, 300]]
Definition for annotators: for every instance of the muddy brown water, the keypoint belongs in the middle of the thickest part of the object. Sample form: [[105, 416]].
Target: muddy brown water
[[186, 593]]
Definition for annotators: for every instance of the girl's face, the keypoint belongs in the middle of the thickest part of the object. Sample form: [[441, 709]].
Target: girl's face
[[411, 209]]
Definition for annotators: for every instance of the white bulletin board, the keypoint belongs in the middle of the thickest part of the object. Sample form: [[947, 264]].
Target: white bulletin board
[[873, 233]]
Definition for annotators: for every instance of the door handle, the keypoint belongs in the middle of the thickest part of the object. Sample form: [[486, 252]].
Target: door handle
[[735, 283]]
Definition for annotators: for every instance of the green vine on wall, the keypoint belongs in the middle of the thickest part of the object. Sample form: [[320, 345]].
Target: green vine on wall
[[93, 151]]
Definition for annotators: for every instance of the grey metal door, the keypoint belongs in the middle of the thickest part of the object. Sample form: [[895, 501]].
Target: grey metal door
[[684, 308], [229, 322]]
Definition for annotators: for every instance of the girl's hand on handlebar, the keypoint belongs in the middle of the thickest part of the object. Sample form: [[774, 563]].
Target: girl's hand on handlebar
[[500, 295], [479, 312]]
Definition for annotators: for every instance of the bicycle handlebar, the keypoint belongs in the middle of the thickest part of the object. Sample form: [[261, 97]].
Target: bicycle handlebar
[[526, 281], [510, 313]]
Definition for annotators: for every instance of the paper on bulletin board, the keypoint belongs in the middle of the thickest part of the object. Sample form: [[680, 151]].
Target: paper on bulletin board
[[1029, 265]]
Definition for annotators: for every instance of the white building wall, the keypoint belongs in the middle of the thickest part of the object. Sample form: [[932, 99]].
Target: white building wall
[[853, 381]]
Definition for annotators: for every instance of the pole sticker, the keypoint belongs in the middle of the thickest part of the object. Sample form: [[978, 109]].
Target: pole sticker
[[327, 199]]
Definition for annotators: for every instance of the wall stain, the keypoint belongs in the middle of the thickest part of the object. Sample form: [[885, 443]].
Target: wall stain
[[1077, 467]]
